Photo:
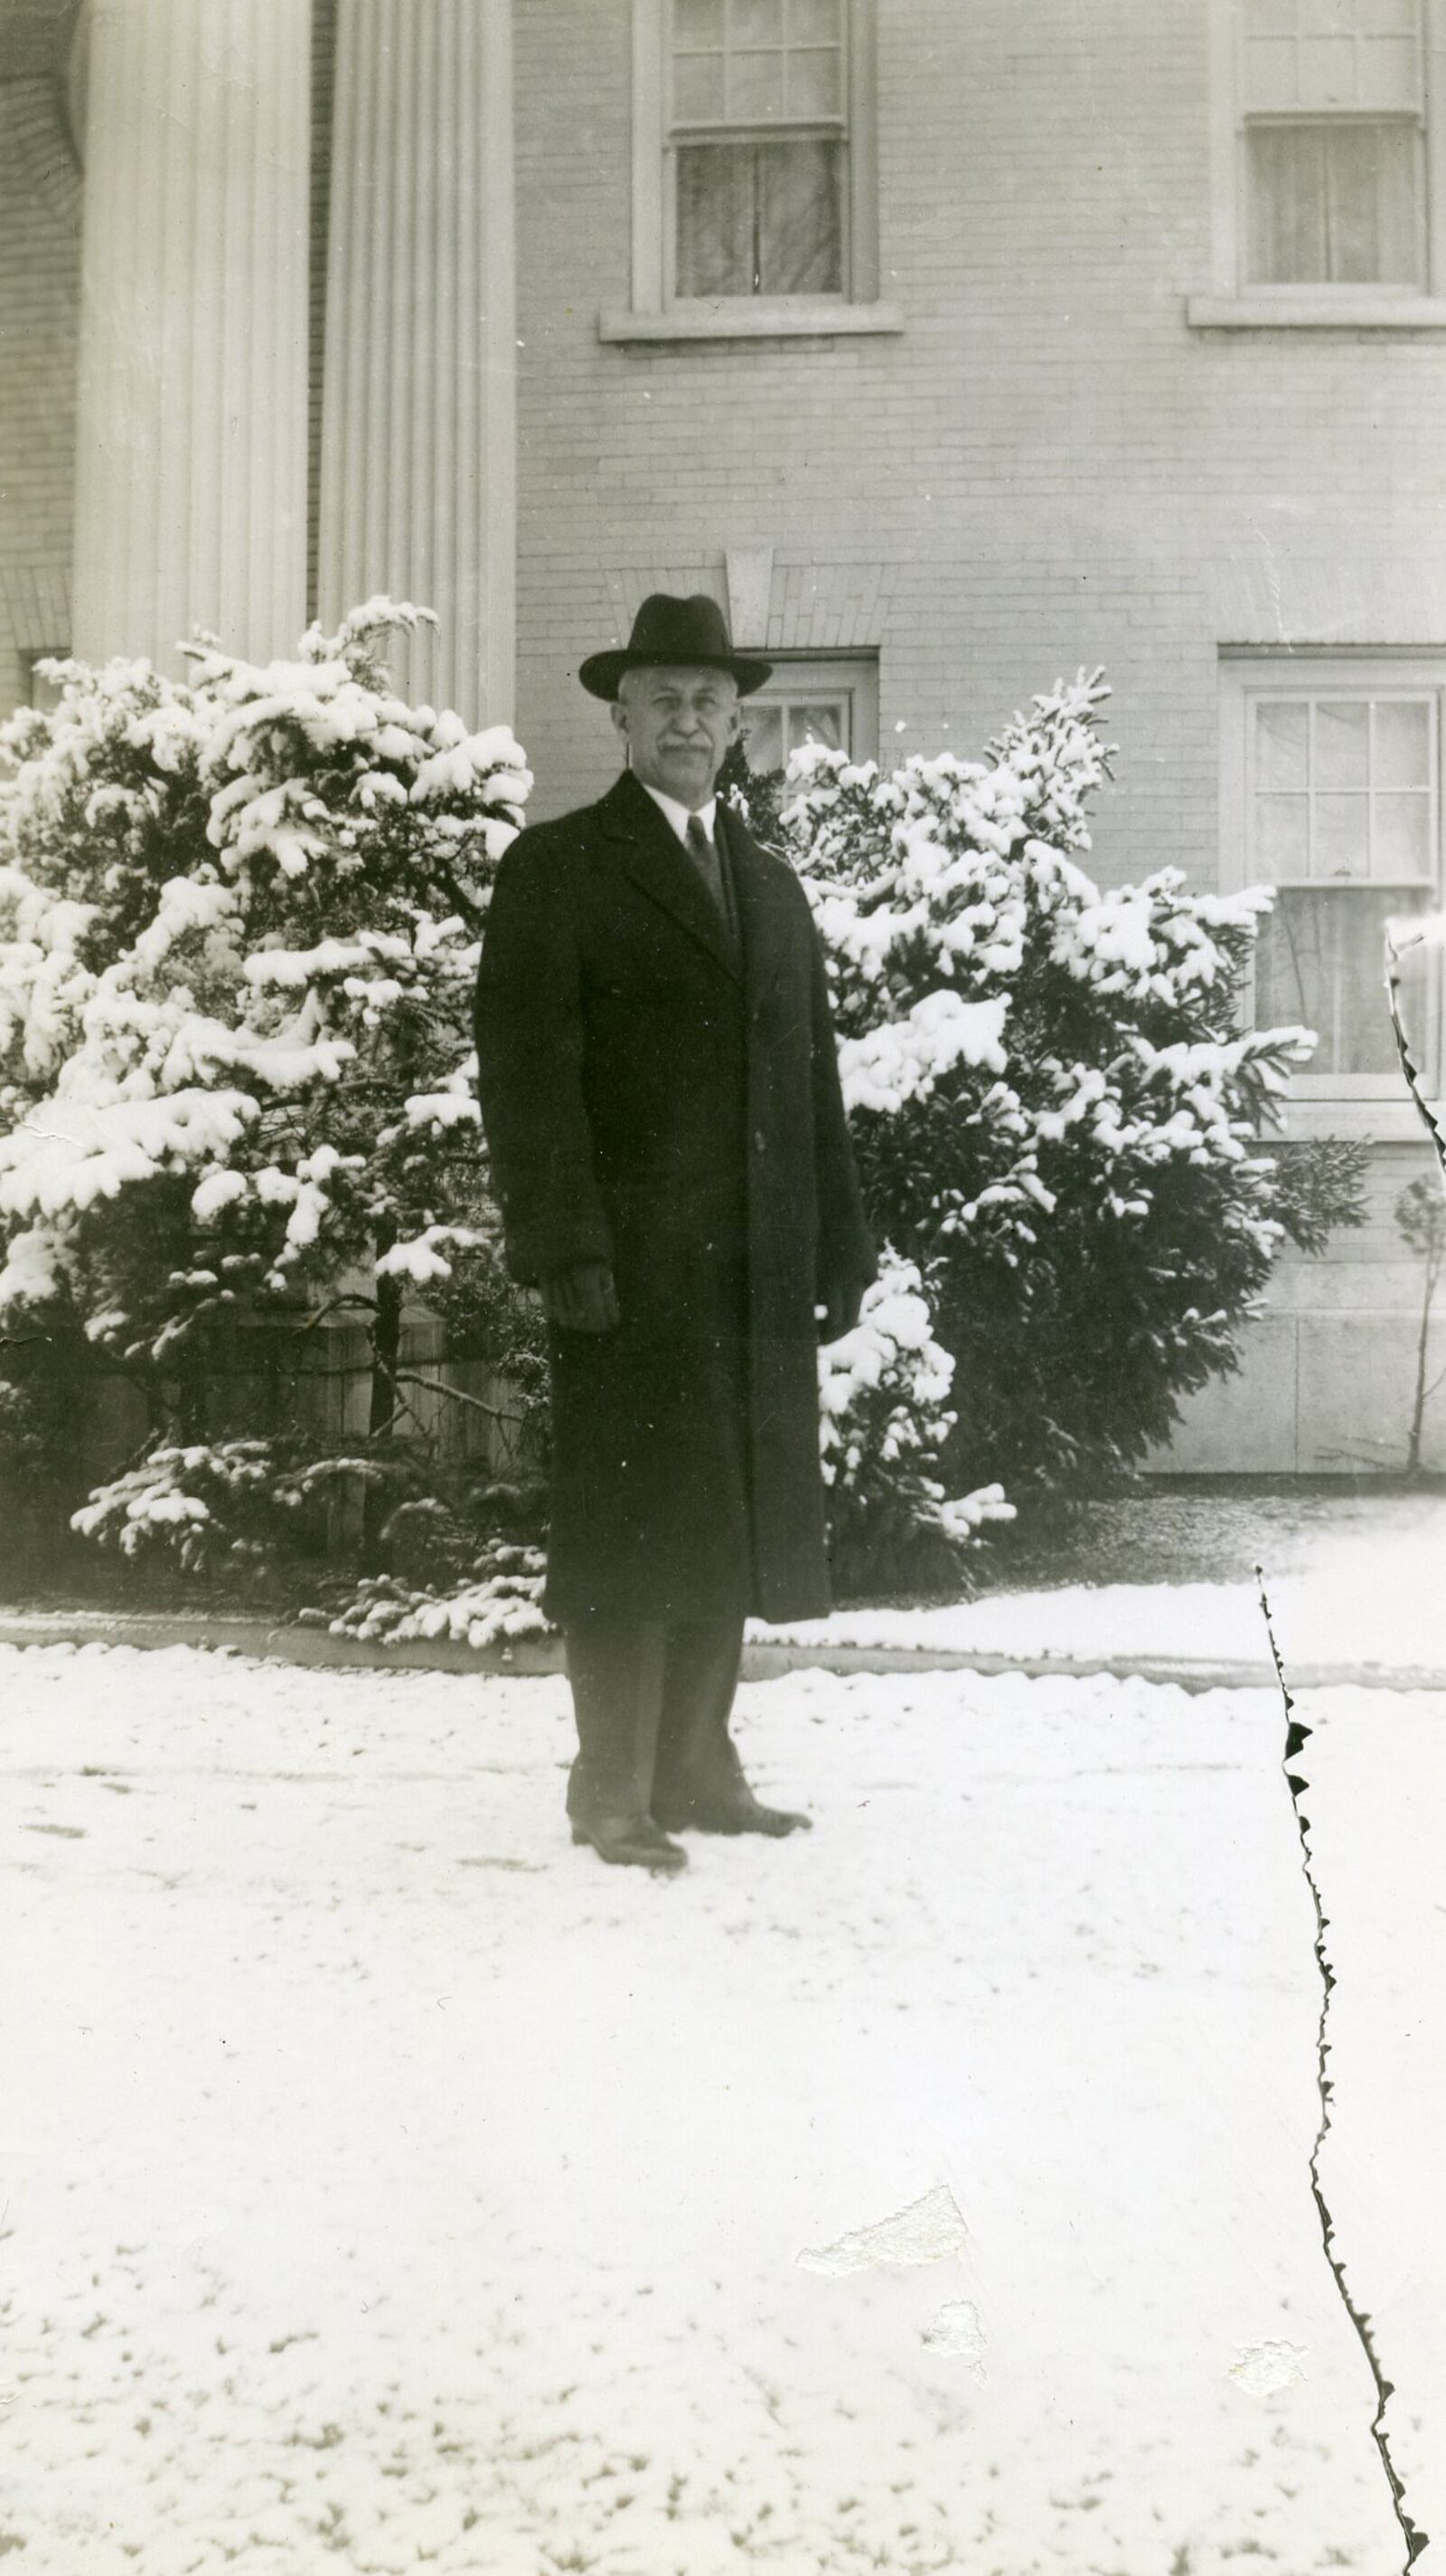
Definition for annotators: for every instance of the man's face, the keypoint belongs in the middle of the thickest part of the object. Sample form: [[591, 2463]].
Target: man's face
[[677, 724]]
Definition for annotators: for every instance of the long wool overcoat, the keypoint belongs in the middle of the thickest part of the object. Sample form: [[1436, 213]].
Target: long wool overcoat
[[665, 1099]]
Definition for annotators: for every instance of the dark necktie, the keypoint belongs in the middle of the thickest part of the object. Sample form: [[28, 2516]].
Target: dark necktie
[[704, 854]]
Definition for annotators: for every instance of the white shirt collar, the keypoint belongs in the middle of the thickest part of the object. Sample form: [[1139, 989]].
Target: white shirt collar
[[680, 816]]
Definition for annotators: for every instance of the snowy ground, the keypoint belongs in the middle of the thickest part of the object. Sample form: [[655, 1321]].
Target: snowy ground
[[391, 2185], [1361, 1584]]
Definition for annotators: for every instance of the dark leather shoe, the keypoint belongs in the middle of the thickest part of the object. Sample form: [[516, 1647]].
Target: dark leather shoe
[[740, 1813], [630, 1841]]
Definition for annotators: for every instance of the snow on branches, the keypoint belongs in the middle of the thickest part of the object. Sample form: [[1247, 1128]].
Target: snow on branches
[[885, 1416], [240, 918], [239, 925], [1058, 1116]]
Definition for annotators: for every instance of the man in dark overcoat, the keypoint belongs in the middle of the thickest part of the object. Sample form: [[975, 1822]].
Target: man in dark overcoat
[[661, 1100]]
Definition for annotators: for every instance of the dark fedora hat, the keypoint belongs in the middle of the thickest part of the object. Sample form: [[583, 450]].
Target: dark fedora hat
[[691, 633]]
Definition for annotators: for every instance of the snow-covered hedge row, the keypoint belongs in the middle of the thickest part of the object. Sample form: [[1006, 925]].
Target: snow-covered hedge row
[[239, 928], [1058, 1114]]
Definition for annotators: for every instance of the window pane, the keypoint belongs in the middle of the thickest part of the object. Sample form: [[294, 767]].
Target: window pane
[[1342, 738], [43, 693], [1282, 842], [1364, 1041], [715, 219], [1334, 204], [1388, 17], [1401, 836], [1320, 961], [1269, 17], [756, 22], [1285, 167], [1342, 836], [800, 229], [815, 22], [759, 219], [1373, 177], [1269, 73], [1390, 72], [1327, 71], [1295, 951], [698, 22], [815, 83], [1418, 985], [1403, 742], [818, 720], [1282, 742], [697, 89], [1329, 17], [755, 88], [764, 738]]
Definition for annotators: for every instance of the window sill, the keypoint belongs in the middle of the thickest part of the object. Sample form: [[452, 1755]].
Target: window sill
[[1384, 1121], [1308, 308], [749, 318]]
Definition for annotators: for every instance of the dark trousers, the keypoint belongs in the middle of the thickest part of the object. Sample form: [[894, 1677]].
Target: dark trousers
[[652, 1700]]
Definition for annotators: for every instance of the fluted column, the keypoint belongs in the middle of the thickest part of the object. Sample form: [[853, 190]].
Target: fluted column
[[191, 466], [418, 451]]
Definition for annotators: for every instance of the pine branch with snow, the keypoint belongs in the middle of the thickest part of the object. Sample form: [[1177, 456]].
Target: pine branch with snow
[[240, 916], [885, 1422], [1058, 1116]]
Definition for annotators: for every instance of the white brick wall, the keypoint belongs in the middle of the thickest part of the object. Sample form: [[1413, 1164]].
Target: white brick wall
[[1048, 467]]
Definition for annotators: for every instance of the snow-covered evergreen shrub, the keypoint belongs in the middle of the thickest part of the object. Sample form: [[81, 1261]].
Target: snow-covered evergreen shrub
[[499, 1604], [886, 1419], [241, 1512], [1057, 1115], [211, 1507], [239, 920], [239, 927]]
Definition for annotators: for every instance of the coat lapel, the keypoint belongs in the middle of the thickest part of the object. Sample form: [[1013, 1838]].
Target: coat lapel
[[764, 921], [661, 869]]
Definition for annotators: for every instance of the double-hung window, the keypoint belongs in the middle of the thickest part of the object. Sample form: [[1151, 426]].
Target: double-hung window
[[829, 699], [1334, 800], [754, 190], [1333, 142], [40, 691], [758, 147], [1329, 162]]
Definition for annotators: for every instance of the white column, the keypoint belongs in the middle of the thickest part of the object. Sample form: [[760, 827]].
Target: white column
[[418, 452], [191, 466]]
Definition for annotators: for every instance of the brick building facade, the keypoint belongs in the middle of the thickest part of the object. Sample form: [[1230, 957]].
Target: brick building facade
[[1071, 391]]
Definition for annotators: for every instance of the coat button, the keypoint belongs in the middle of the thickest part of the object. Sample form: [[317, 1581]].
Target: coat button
[[759, 1141]]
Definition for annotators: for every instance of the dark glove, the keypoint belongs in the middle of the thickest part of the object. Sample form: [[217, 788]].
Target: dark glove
[[583, 1299]]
